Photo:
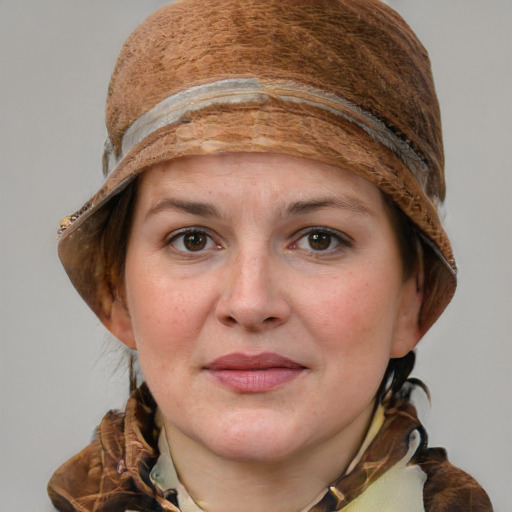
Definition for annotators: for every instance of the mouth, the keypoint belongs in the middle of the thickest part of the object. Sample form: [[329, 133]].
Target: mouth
[[259, 373]]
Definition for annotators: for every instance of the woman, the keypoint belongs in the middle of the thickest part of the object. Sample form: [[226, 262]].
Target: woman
[[267, 240]]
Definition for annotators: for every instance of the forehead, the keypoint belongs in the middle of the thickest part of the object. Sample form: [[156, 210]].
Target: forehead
[[256, 176]]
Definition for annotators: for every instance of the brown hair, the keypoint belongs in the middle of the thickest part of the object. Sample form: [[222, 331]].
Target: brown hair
[[412, 255], [116, 231]]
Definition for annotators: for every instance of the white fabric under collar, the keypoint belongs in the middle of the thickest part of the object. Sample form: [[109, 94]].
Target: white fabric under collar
[[164, 476], [400, 489]]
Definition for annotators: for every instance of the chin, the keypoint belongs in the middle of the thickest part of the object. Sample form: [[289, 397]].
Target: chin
[[256, 449], [253, 438]]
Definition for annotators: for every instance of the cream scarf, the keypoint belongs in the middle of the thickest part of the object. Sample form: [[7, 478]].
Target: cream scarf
[[400, 489]]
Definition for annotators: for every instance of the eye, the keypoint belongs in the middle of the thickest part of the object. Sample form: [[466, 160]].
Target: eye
[[322, 240], [192, 240]]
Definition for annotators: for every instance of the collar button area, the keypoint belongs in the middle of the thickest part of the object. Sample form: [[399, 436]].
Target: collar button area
[[121, 467], [171, 495], [337, 494]]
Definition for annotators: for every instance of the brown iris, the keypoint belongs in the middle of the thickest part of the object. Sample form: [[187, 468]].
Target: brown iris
[[320, 241], [195, 241]]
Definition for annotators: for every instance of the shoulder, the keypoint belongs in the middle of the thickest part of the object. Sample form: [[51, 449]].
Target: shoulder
[[78, 480], [110, 473], [449, 489]]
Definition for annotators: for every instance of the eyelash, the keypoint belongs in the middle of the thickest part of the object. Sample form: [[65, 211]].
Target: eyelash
[[342, 240], [209, 243]]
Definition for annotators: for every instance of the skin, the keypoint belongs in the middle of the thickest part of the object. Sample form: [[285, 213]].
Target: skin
[[290, 257]]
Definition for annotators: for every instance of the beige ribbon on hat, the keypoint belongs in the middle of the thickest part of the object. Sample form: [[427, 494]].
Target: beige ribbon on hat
[[234, 91]]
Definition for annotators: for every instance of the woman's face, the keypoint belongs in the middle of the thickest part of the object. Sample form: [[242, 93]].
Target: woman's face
[[265, 296]]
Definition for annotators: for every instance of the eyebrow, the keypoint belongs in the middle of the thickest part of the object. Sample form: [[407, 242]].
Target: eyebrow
[[192, 207], [295, 208], [345, 203]]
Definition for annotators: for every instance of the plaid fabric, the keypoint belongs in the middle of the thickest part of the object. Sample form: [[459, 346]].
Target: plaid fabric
[[112, 474]]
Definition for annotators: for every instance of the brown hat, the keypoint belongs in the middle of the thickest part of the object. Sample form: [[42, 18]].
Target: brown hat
[[344, 82]]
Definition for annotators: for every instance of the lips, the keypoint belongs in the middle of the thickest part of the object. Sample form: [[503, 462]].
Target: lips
[[262, 361], [259, 373]]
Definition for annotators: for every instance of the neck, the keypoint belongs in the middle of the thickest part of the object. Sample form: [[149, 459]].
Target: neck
[[289, 485]]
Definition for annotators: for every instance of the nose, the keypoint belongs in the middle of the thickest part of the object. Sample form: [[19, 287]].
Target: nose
[[251, 295]]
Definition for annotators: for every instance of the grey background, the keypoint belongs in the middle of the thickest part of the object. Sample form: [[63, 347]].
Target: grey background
[[57, 368]]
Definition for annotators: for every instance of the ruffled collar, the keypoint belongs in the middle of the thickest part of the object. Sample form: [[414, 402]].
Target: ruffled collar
[[115, 469]]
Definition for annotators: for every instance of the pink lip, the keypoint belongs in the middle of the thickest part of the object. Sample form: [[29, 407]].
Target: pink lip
[[254, 373]]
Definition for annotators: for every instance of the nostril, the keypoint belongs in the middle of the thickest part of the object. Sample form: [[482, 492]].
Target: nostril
[[230, 320], [253, 326]]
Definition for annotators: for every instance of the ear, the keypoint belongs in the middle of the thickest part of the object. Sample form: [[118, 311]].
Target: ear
[[119, 322], [407, 330]]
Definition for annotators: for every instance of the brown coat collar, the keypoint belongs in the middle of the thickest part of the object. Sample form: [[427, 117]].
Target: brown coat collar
[[112, 473]]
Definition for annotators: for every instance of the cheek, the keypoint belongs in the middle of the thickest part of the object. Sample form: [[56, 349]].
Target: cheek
[[165, 325], [352, 316], [167, 315]]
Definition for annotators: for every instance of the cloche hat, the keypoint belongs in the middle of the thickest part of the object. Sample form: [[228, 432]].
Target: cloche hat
[[344, 82]]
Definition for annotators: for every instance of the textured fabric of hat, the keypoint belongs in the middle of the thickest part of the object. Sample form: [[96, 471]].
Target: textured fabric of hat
[[344, 82]]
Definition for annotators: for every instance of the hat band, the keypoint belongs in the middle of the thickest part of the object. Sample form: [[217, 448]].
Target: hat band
[[235, 91]]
